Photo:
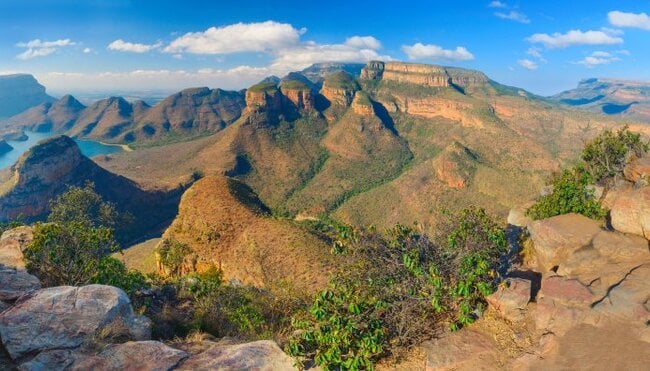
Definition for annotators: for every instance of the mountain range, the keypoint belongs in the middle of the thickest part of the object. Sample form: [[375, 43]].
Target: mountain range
[[19, 92], [381, 143]]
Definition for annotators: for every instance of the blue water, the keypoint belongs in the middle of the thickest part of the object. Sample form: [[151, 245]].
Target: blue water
[[88, 147]]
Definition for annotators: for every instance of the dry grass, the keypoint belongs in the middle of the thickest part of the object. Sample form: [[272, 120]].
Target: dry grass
[[140, 257]]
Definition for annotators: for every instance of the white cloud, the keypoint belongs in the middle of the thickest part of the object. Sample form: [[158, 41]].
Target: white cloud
[[39, 48], [125, 46], [87, 50], [240, 37], [513, 15], [309, 53], [528, 64], [172, 80], [633, 20], [575, 37], [598, 58], [363, 42], [430, 51], [497, 4]]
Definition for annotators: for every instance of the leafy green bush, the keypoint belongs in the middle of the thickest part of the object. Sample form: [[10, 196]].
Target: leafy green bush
[[84, 206], [68, 254], [171, 254], [607, 154], [572, 193], [396, 288], [113, 272]]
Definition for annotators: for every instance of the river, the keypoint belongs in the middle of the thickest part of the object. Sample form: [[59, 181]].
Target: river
[[89, 148]]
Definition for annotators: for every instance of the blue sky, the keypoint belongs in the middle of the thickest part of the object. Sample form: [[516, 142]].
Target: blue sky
[[127, 45]]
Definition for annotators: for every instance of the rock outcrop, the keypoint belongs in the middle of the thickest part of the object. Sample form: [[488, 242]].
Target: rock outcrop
[[339, 88], [298, 95], [456, 165], [362, 104], [64, 317], [19, 92], [12, 244], [261, 355]]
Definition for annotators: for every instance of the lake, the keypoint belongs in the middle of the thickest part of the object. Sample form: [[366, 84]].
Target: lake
[[89, 148]]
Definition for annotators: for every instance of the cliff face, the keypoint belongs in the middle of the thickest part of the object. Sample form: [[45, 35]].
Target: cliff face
[[20, 92], [339, 88], [423, 74]]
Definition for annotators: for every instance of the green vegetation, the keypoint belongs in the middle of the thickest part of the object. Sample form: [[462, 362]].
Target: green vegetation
[[294, 85], [73, 247], [607, 154], [341, 80], [396, 288], [572, 193], [171, 254], [603, 160], [363, 98], [263, 87]]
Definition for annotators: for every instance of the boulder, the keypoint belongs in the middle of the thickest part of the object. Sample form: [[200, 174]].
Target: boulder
[[556, 238], [630, 212], [139, 355], [611, 256], [463, 350], [63, 318], [511, 299], [629, 298], [16, 283], [638, 170], [12, 244], [562, 303], [263, 355]]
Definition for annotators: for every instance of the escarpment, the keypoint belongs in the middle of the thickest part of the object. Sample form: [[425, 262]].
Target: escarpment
[[423, 74]]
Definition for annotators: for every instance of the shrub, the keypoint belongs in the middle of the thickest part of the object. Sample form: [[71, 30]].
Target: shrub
[[68, 254], [113, 272], [83, 205], [396, 288], [607, 154], [171, 254], [572, 193]]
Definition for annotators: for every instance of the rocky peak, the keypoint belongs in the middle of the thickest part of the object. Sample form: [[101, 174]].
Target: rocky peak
[[339, 88], [45, 163], [69, 102], [264, 97], [456, 165], [362, 104], [374, 70], [298, 93]]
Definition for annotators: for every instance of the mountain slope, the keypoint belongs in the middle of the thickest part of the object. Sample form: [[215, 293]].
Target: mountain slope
[[227, 226], [55, 164], [610, 97], [19, 92], [401, 144]]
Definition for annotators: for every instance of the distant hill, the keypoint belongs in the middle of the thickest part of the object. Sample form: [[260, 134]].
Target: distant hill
[[610, 97], [19, 92], [55, 164], [189, 113]]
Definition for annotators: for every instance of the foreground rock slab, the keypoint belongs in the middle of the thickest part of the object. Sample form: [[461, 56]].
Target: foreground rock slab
[[16, 283], [264, 355], [64, 317], [140, 355]]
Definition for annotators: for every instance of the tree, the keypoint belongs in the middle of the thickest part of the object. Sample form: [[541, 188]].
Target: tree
[[68, 253], [85, 206], [607, 154]]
